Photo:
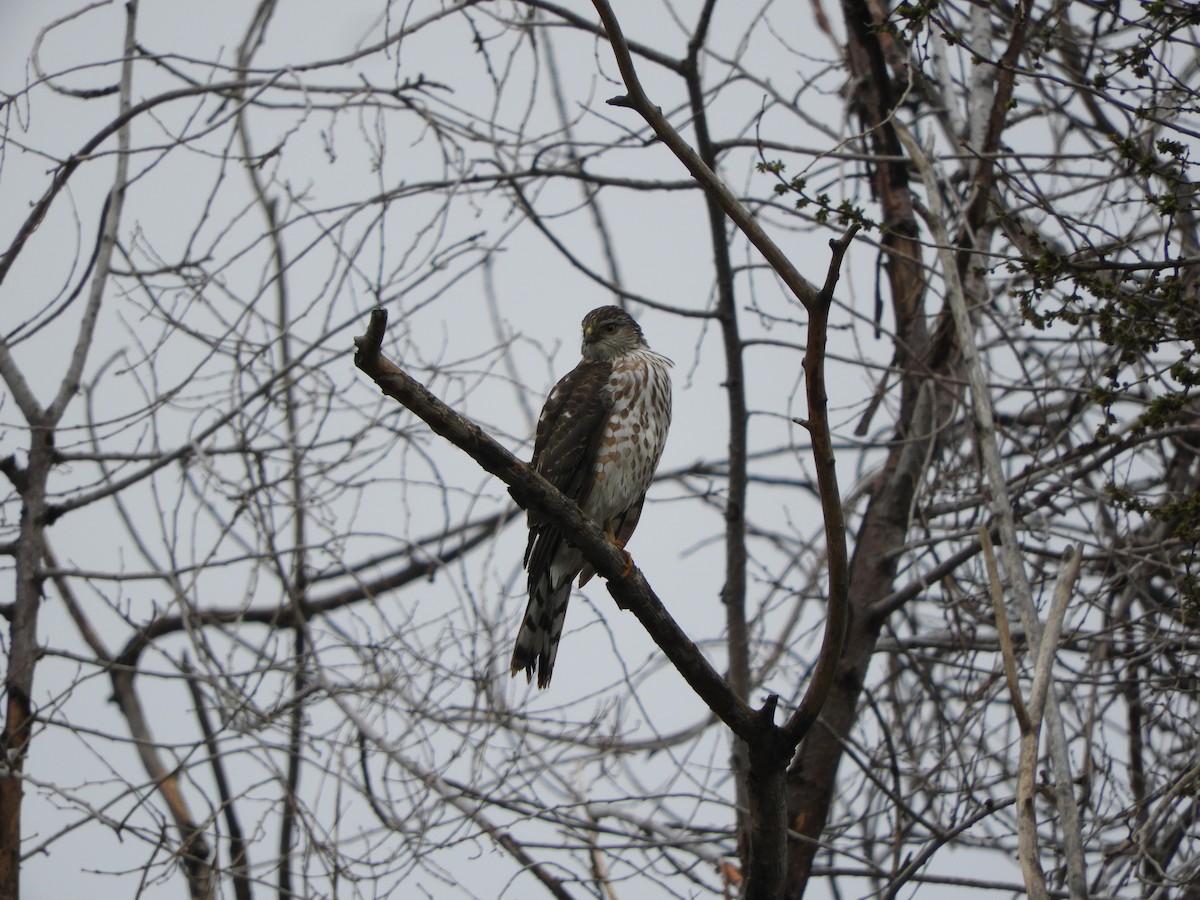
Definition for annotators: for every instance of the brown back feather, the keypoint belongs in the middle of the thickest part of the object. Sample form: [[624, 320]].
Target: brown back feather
[[569, 433]]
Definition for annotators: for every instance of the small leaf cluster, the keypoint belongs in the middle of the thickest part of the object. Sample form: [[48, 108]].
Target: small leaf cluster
[[1146, 310], [824, 210]]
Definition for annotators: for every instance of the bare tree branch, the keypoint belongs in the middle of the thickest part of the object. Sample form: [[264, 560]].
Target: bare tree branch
[[631, 591]]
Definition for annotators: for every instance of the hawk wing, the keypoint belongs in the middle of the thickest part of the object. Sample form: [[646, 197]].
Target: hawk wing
[[569, 434]]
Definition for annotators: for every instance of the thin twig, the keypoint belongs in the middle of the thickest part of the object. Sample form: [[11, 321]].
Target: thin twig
[[1003, 634], [239, 857]]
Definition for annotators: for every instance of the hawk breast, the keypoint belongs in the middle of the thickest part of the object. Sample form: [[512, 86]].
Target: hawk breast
[[638, 398]]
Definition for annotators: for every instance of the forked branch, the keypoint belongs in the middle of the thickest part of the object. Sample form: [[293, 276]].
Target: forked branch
[[817, 304], [637, 100]]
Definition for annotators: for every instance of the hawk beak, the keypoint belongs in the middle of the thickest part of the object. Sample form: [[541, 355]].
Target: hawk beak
[[589, 335]]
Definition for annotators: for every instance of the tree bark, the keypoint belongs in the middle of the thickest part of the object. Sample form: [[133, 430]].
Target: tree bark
[[23, 652], [921, 363]]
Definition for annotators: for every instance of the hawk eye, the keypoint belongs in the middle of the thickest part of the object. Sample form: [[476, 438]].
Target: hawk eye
[[610, 328]]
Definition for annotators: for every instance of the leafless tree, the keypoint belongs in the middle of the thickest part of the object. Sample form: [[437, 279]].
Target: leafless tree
[[260, 615]]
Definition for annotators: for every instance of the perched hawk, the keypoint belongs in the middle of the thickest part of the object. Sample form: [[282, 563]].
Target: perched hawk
[[599, 440]]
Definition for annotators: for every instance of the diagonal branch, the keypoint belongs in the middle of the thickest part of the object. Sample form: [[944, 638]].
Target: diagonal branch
[[632, 592], [1001, 502], [194, 849], [817, 304], [637, 100], [239, 861]]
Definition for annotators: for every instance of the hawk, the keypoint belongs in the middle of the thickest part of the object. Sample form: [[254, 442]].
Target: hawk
[[599, 439]]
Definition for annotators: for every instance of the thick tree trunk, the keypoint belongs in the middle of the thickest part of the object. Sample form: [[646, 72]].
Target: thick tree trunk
[[812, 776], [23, 652]]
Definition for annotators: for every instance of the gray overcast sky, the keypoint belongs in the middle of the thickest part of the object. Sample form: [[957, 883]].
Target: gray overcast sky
[[435, 257]]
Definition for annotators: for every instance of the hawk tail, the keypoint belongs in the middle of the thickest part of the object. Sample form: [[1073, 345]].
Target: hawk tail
[[537, 641]]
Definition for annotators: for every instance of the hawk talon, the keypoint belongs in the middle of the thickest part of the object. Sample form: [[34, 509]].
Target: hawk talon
[[628, 561], [612, 537], [620, 545]]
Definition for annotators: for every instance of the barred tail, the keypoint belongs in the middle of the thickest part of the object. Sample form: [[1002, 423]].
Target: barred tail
[[537, 641]]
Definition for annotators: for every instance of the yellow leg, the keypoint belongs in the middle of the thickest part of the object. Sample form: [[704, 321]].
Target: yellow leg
[[620, 545]]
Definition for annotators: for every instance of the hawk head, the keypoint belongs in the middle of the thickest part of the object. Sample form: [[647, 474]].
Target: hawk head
[[609, 333]]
